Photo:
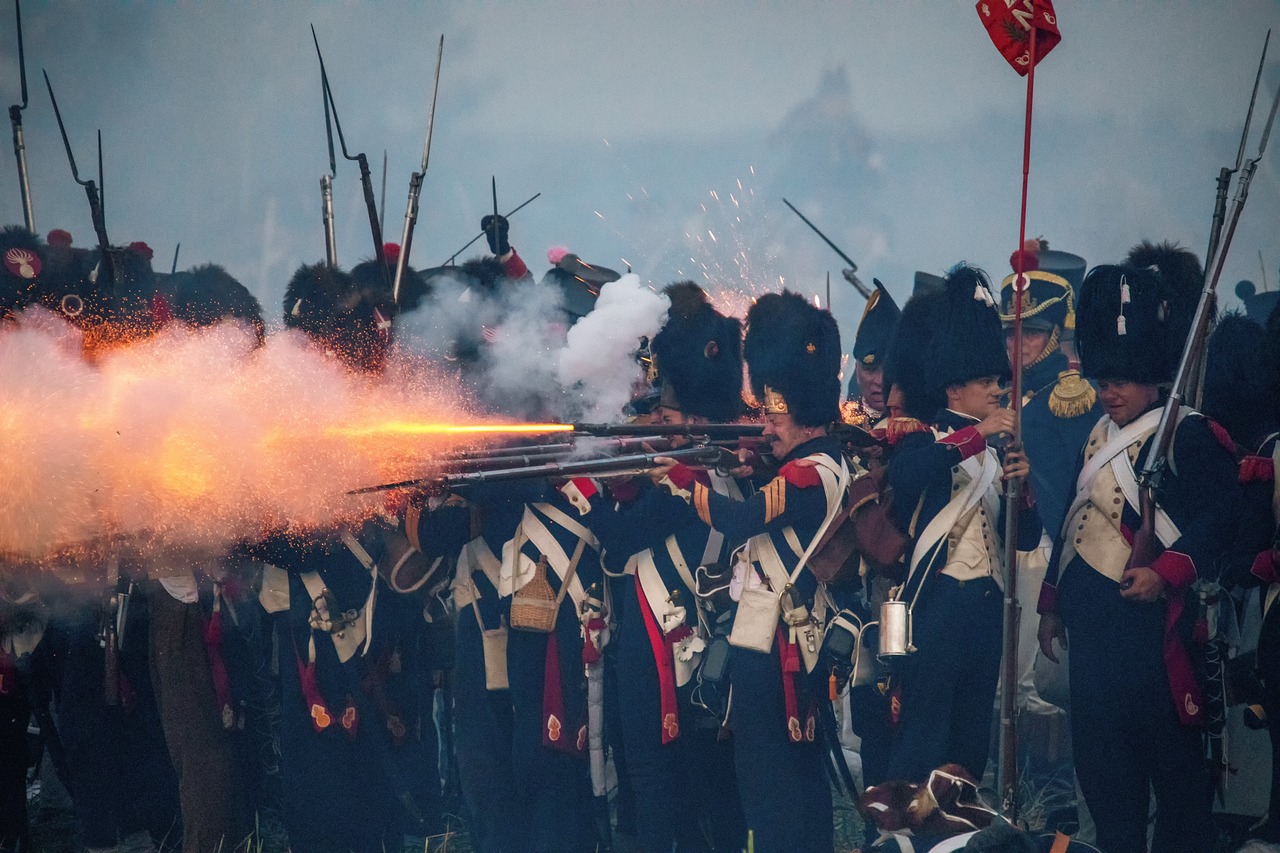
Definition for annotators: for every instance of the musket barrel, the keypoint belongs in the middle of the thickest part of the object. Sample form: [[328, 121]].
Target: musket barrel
[[326, 211], [20, 152], [718, 431]]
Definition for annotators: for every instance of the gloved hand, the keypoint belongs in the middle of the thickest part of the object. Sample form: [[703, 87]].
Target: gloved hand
[[495, 230]]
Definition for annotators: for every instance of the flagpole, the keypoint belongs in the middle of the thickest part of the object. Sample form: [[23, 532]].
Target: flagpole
[[1008, 782]]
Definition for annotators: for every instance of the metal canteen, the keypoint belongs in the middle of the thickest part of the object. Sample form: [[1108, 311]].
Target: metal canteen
[[895, 629]]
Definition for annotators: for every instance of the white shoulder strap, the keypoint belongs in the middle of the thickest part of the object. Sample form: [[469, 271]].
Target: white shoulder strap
[[938, 528], [354, 546]]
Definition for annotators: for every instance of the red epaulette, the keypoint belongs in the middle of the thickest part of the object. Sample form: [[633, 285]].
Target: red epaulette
[[800, 476], [896, 428], [1257, 469], [1223, 437]]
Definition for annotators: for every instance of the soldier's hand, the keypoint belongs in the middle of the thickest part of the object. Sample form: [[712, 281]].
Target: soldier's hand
[[662, 467], [1051, 628], [1001, 420], [1142, 584], [1016, 465], [495, 231]]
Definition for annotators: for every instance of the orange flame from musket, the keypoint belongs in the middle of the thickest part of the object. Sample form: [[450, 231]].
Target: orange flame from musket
[[389, 428]]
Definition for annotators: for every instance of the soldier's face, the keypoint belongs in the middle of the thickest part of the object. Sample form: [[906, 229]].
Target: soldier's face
[[784, 435], [1033, 343], [668, 415], [1125, 400], [976, 398], [871, 385]]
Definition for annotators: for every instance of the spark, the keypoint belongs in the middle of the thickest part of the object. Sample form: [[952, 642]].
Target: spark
[[713, 236], [713, 195], [598, 213]]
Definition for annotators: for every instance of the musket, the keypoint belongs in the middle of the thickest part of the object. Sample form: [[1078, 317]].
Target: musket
[[326, 186], [718, 431], [1145, 545], [366, 177], [853, 268], [176, 249], [415, 185], [481, 234], [493, 179], [614, 466], [90, 188], [15, 119]]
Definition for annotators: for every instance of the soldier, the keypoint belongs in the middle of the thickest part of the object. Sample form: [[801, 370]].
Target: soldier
[[1242, 378], [948, 495], [343, 734], [1137, 709], [866, 402], [793, 356], [680, 770]]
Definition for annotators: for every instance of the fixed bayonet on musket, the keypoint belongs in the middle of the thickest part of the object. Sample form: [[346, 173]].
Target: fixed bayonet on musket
[[382, 198], [1193, 350], [849, 274], [415, 185], [15, 119], [90, 188], [510, 214], [366, 177], [326, 185]]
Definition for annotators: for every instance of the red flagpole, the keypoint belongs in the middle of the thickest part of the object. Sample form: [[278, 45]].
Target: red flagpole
[[1008, 700]]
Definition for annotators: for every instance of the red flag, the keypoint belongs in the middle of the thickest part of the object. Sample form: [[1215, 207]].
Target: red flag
[[1009, 24]]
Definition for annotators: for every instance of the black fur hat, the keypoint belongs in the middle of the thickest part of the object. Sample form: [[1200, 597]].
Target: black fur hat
[[968, 341], [1132, 320], [205, 295], [793, 355], [907, 364], [332, 309], [1240, 378], [21, 264], [698, 356]]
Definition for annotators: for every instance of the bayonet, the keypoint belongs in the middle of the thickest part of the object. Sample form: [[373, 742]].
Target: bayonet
[[513, 212], [849, 274], [494, 184], [326, 186], [382, 200], [415, 185], [102, 186], [366, 177], [90, 188], [15, 119], [176, 249]]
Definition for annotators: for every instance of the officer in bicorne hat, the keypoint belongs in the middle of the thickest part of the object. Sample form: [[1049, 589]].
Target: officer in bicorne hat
[[1137, 710], [681, 772], [865, 404], [793, 355], [948, 488]]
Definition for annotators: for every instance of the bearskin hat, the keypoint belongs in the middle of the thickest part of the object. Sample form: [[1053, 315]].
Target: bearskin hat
[[1240, 378], [331, 308], [906, 364], [793, 352], [875, 330], [698, 356], [205, 295], [968, 341], [1132, 320], [22, 257]]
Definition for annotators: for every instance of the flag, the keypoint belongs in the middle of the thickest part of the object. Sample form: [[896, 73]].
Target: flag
[[1009, 24]]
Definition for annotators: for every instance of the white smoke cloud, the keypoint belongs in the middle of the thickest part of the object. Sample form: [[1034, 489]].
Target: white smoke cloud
[[598, 361]]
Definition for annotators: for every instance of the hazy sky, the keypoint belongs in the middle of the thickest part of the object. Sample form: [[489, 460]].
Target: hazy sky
[[661, 134]]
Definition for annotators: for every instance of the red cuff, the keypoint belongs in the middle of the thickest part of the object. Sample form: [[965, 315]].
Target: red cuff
[[1177, 569], [1048, 601], [968, 441], [1257, 469], [800, 476], [1266, 566], [682, 476], [514, 267], [624, 490]]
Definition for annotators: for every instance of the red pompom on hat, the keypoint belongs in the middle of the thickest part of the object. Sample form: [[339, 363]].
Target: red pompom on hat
[[58, 237], [556, 254], [1030, 259], [391, 251], [140, 248]]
